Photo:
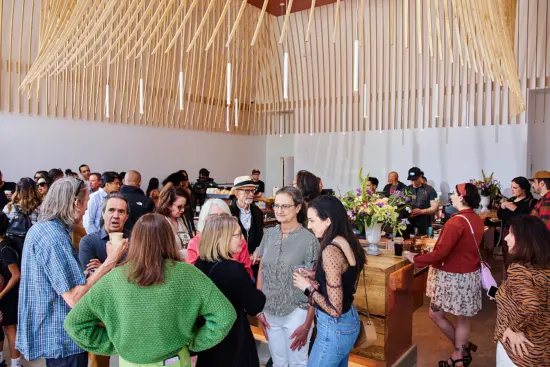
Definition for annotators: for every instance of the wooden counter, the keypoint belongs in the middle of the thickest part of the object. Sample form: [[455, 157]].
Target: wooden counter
[[390, 299]]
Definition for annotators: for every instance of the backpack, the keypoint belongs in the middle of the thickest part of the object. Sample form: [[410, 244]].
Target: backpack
[[19, 224], [18, 228]]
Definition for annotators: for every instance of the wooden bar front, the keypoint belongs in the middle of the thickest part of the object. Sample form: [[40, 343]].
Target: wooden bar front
[[390, 299]]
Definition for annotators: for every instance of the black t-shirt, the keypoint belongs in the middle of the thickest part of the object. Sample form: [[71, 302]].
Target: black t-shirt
[[8, 256], [3, 198], [260, 188]]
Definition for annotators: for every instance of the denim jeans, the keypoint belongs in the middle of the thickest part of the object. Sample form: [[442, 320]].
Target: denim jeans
[[335, 338]]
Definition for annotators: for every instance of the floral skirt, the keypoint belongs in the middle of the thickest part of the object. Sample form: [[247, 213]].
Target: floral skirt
[[456, 293]]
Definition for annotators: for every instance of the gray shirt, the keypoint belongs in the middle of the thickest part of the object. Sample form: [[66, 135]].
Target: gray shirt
[[280, 258]]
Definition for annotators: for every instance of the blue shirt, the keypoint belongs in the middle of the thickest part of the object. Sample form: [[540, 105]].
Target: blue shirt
[[94, 246], [49, 268], [92, 218]]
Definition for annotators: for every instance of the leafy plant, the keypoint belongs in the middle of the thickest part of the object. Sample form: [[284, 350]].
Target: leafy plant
[[367, 208], [488, 186]]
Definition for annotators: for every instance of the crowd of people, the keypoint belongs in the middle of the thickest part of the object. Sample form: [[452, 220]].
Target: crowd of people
[[93, 267]]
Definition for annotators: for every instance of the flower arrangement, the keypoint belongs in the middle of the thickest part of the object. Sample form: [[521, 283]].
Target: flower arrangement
[[488, 186], [367, 208]]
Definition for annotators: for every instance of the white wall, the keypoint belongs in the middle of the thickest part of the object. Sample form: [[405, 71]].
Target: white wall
[[539, 131], [447, 156], [28, 144]]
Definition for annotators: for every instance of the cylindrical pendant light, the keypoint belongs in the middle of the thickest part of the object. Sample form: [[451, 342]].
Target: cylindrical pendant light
[[228, 83], [181, 90], [227, 118], [107, 100], [344, 122], [285, 76], [236, 107], [141, 96], [356, 66], [365, 100], [421, 117], [436, 101]]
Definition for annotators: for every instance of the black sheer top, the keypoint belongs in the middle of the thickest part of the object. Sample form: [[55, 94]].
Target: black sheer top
[[524, 206], [336, 280]]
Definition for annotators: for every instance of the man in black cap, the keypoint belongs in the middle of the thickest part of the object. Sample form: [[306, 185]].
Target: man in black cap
[[424, 202], [260, 185]]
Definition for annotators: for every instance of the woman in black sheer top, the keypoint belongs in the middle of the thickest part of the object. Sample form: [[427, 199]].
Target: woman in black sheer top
[[331, 286]]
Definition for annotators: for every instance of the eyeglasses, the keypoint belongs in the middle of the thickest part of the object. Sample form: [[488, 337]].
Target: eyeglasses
[[42, 184], [248, 191], [236, 234], [283, 207], [180, 207]]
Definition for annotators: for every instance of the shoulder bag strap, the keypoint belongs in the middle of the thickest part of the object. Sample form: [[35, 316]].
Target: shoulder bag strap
[[473, 234], [365, 289]]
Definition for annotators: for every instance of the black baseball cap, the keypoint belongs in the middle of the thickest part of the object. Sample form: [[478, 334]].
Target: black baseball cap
[[414, 174]]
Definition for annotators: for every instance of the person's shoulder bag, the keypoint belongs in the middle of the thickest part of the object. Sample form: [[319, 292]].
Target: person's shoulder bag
[[487, 279]]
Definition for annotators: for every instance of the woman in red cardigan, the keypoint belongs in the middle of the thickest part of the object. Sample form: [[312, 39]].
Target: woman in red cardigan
[[454, 283]]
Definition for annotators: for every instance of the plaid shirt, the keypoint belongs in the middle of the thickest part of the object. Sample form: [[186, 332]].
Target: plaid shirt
[[542, 209], [49, 268]]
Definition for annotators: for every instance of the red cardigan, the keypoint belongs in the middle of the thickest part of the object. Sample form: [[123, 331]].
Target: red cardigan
[[455, 250]]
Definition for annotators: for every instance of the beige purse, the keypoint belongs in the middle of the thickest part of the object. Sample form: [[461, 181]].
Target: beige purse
[[367, 332]]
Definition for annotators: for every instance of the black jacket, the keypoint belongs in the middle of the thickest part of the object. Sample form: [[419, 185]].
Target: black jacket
[[254, 236], [400, 187], [238, 349], [140, 204]]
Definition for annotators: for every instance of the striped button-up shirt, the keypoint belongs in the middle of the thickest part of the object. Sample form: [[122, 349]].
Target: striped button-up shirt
[[92, 218], [49, 268]]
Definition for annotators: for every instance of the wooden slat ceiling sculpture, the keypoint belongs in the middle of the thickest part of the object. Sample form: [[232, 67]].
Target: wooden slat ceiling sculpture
[[228, 65]]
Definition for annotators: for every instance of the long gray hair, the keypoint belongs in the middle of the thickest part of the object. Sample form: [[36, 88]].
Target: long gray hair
[[59, 203]]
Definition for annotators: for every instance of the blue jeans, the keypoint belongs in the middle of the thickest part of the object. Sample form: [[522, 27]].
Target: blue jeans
[[335, 338]]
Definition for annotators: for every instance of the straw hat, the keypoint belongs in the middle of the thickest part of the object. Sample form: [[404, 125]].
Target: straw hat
[[243, 182]]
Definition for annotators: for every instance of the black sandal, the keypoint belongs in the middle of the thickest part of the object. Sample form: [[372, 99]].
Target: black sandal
[[454, 362], [467, 357]]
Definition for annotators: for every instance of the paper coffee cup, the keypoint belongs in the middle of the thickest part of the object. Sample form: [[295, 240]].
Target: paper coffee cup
[[115, 237]]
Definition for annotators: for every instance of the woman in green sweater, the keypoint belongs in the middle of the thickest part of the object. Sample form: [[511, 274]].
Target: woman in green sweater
[[150, 305]]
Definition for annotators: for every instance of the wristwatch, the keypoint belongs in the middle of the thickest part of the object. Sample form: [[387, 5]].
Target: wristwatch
[[309, 291]]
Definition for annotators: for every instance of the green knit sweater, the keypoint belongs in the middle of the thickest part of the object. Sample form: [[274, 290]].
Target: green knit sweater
[[149, 324]]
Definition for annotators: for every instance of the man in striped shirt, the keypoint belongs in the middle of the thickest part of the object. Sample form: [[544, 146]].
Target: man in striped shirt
[[541, 185]]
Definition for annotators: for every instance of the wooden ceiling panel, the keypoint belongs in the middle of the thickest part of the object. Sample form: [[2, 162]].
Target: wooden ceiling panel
[[274, 6]]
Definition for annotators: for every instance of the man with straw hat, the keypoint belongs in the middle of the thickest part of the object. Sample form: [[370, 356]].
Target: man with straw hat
[[249, 215]]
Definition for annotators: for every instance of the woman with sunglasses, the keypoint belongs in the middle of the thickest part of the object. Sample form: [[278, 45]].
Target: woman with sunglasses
[[287, 320], [173, 202], [42, 187]]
